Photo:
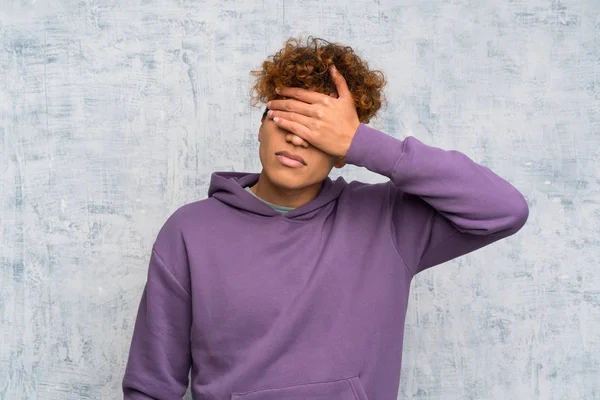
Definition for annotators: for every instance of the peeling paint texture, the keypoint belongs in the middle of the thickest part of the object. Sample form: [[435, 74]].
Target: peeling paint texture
[[114, 113]]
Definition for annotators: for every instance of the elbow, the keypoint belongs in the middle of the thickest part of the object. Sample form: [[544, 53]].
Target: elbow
[[519, 213]]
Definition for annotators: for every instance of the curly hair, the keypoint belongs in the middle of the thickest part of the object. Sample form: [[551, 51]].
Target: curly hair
[[307, 66]]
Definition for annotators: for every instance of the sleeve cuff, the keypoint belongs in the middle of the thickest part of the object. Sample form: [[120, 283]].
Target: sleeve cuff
[[375, 150]]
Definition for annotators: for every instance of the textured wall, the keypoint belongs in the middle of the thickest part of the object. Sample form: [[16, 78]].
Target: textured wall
[[114, 113]]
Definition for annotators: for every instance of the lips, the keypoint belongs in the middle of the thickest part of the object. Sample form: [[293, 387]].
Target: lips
[[290, 155]]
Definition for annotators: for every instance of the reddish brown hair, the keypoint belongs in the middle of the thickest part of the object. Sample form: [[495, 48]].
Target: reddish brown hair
[[307, 66]]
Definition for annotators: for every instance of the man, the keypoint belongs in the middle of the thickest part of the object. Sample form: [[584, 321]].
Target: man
[[288, 285]]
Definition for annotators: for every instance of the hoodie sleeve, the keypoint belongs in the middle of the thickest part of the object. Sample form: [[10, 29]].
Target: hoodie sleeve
[[443, 204], [160, 356]]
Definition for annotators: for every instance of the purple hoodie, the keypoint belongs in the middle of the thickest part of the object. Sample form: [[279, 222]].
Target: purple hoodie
[[309, 304]]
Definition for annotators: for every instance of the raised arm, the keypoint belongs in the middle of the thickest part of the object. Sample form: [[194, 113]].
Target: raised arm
[[443, 204]]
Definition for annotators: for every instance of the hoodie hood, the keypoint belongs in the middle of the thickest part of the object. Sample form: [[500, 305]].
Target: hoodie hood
[[228, 188]]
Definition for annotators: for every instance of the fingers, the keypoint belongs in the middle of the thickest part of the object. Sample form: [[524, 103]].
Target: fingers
[[297, 140], [292, 116], [292, 106], [307, 96], [294, 127]]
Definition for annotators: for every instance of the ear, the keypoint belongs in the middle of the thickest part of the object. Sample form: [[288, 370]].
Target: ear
[[341, 162]]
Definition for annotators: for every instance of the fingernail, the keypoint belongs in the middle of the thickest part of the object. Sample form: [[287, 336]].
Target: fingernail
[[277, 90], [270, 113], [269, 104]]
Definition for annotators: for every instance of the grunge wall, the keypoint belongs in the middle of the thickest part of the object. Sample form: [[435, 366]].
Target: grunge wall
[[114, 113]]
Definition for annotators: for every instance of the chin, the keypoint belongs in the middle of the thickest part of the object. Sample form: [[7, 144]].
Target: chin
[[290, 178]]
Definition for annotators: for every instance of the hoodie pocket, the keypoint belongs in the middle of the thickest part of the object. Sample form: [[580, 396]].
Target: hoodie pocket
[[342, 389]]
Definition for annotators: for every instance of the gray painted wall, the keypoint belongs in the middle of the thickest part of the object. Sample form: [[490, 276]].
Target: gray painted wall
[[114, 113]]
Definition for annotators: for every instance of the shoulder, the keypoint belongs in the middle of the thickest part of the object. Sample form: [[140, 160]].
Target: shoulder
[[372, 200], [170, 240], [192, 213], [386, 195], [362, 191]]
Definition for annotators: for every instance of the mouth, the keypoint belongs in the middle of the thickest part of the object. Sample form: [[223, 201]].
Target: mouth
[[290, 160]]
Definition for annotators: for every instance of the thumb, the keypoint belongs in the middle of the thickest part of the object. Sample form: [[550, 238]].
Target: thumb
[[340, 83]]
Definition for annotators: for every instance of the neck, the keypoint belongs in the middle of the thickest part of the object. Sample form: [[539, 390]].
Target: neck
[[268, 191]]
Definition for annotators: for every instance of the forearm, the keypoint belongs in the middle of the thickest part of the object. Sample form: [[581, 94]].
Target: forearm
[[471, 196]]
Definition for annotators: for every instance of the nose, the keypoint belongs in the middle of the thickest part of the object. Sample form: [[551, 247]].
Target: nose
[[296, 140]]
